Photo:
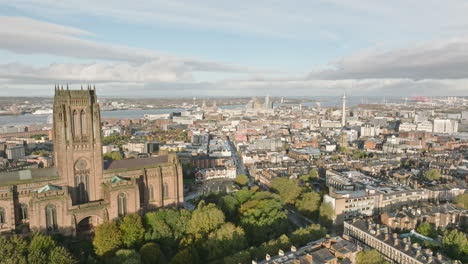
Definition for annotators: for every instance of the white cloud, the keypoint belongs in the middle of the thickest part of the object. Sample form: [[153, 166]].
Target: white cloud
[[154, 71], [434, 60], [28, 36]]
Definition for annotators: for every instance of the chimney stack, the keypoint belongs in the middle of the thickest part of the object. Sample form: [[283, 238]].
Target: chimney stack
[[406, 247], [418, 252]]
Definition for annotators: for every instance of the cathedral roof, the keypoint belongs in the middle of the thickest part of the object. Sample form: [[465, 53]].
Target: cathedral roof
[[49, 187], [134, 163], [28, 175], [117, 179]]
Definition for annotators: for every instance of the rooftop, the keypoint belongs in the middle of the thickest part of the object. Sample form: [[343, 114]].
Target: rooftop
[[134, 163]]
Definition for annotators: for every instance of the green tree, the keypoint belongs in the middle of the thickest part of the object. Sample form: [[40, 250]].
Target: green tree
[[206, 218], [107, 239], [286, 188], [167, 227], [113, 156], [432, 175], [226, 240], [242, 180], [132, 230], [455, 244], [40, 248], [60, 255], [462, 201], [271, 247], [38, 257], [151, 254], [41, 243], [302, 236], [186, 256], [313, 174], [126, 256], [240, 257], [114, 139], [13, 250], [427, 229], [326, 214], [229, 205], [263, 219], [243, 195], [309, 204], [41, 153], [370, 256]]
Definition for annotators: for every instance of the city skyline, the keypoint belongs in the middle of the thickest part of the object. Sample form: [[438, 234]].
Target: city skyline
[[179, 49]]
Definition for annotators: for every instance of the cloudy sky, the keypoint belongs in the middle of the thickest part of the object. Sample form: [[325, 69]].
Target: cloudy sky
[[144, 48]]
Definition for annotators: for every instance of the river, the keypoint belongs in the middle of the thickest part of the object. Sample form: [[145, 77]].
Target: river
[[326, 101]]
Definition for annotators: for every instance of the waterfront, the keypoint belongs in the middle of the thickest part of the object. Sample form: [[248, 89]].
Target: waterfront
[[326, 101]]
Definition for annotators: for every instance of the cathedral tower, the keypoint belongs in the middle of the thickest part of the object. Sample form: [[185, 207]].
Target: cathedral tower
[[77, 143]]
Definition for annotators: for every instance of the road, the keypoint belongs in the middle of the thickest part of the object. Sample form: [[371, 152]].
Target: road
[[241, 169], [298, 219]]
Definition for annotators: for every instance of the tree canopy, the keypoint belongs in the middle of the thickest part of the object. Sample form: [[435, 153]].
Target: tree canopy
[[167, 227], [151, 254], [432, 175], [206, 218], [427, 229], [41, 249], [107, 238], [113, 156], [462, 201], [226, 240], [242, 180], [263, 219], [455, 244], [313, 174], [132, 230], [309, 204], [326, 214], [288, 189]]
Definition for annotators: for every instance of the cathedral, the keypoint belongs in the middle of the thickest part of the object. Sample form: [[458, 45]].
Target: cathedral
[[82, 190]]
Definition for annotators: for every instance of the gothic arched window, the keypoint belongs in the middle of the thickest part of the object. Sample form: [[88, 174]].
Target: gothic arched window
[[150, 192], [82, 186], [51, 218], [2, 215], [84, 126], [165, 190], [122, 204], [76, 124], [23, 211]]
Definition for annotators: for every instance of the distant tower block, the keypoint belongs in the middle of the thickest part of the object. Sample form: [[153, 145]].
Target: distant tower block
[[343, 114]]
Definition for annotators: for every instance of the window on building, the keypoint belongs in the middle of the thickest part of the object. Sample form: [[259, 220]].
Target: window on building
[[23, 211], [122, 204], [165, 190], [150, 192], [51, 218], [2, 215], [84, 126], [82, 186], [76, 124]]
